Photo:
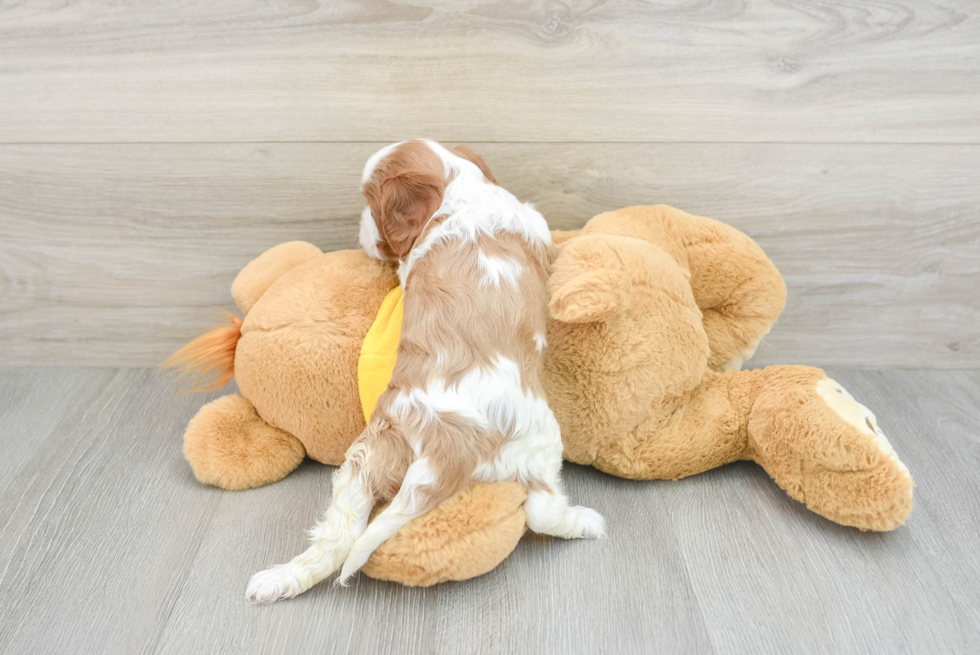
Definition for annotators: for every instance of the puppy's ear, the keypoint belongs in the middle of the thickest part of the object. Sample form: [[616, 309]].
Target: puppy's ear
[[406, 204], [467, 153]]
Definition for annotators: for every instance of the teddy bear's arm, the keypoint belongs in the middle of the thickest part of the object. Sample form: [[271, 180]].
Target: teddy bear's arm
[[625, 336], [738, 288], [735, 285], [259, 274]]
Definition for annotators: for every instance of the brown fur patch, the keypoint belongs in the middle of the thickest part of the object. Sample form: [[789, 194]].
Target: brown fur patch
[[404, 191]]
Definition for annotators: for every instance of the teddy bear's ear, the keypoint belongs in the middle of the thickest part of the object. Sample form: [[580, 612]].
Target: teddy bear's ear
[[591, 297]]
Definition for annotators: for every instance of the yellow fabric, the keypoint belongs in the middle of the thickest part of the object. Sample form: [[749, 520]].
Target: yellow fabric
[[380, 351]]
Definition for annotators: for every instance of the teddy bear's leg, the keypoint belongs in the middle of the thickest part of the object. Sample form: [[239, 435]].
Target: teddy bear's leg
[[228, 445], [688, 434], [736, 286], [466, 536], [822, 446]]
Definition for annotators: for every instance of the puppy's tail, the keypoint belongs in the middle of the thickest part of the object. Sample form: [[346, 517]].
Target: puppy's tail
[[210, 358]]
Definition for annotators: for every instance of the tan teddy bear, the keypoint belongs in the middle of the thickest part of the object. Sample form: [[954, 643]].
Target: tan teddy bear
[[653, 313]]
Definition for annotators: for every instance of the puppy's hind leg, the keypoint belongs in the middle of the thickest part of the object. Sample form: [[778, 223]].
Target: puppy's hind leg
[[547, 508], [422, 490], [444, 465], [335, 534], [548, 512]]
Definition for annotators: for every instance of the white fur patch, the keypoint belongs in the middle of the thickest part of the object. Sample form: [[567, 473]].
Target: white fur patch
[[531, 456], [540, 341], [549, 513], [497, 270], [419, 474], [403, 270], [369, 235], [373, 160], [490, 397]]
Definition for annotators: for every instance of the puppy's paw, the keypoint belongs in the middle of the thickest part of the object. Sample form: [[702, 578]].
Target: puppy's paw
[[588, 524], [274, 584], [348, 570]]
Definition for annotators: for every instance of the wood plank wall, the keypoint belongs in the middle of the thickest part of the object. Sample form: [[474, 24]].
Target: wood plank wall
[[148, 152]]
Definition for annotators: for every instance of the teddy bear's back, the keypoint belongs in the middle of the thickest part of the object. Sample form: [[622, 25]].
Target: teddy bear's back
[[297, 357]]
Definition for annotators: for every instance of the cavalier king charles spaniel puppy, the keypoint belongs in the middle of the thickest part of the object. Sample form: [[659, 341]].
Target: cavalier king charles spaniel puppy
[[465, 401]]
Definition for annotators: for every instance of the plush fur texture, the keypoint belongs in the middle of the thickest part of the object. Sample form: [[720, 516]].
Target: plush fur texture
[[230, 446], [635, 371], [466, 536], [312, 396], [256, 278]]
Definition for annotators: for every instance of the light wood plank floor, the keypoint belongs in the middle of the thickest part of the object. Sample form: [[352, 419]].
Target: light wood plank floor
[[109, 545]]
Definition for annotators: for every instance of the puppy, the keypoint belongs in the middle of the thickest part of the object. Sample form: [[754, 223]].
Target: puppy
[[465, 401]]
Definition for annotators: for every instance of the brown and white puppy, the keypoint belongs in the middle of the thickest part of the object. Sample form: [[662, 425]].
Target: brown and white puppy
[[465, 401]]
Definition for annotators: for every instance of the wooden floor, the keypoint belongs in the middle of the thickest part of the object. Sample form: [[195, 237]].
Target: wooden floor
[[109, 545]]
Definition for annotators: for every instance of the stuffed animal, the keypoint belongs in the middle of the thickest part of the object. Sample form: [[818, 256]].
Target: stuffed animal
[[654, 311]]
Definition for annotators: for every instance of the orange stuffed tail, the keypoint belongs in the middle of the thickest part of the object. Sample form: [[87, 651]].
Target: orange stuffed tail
[[210, 357]]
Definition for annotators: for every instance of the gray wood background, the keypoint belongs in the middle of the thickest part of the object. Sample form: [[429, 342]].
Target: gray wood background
[[149, 150]]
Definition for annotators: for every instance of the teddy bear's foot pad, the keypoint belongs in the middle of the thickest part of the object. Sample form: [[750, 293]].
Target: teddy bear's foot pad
[[864, 483], [859, 416]]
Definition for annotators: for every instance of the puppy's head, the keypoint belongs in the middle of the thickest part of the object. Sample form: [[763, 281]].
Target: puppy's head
[[404, 184]]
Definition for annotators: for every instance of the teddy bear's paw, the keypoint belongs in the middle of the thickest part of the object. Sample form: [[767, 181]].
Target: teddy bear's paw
[[859, 416], [280, 582], [856, 478]]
